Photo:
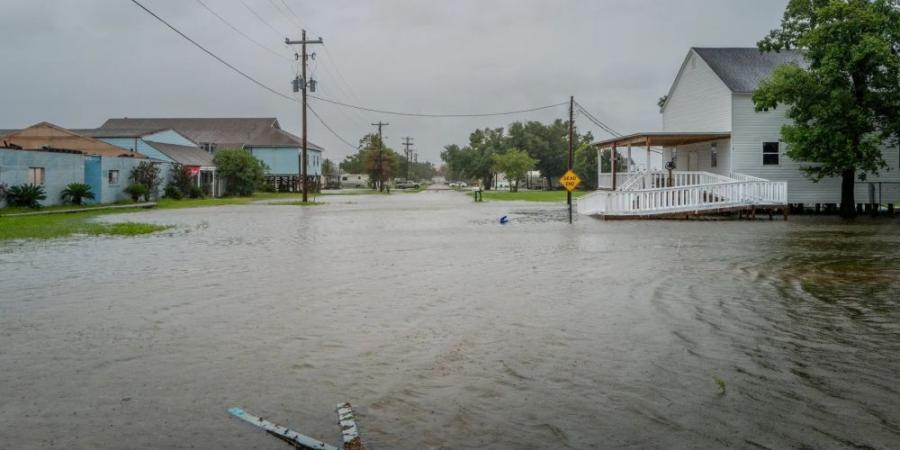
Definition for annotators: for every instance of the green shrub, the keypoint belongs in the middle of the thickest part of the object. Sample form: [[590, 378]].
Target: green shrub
[[196, 192], [136, 191], [76, 193], [28, 195], [242, 172], [182, 179], [146, 173], [172, 191]]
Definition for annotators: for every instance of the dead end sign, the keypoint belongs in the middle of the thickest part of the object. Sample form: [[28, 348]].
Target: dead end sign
[[570, 181]]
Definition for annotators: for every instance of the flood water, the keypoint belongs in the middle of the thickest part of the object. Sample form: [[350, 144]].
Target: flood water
[[447, 330]]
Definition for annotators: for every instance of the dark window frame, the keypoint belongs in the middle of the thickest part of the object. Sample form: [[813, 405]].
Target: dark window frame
[[771, 156]]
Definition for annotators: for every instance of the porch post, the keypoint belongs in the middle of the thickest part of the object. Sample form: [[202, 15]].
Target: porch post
[[599, 167], [612, 161], [628, 163], [647, 145]]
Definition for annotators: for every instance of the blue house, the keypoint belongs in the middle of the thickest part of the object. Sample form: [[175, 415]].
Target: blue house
[[278, 149], [165, 147], [53, 157]]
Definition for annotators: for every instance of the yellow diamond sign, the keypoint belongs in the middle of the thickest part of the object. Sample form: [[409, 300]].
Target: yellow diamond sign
[[570, 181]]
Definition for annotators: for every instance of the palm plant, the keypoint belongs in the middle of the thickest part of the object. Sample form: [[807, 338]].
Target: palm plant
[[75, 193], [28, 195]]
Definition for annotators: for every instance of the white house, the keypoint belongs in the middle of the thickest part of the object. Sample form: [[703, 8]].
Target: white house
[[725, 154]]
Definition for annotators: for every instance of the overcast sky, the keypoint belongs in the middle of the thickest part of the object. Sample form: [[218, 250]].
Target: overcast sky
[[78, 62]]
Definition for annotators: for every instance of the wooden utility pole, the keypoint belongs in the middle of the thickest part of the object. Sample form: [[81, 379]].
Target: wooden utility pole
[[407, 142], [304, 84], [571, 149], [380, 181]]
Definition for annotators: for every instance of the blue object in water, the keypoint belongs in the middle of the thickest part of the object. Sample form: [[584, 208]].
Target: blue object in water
[[504, 220]]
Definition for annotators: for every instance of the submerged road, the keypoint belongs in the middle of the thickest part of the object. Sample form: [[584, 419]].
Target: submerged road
[[447, 330]]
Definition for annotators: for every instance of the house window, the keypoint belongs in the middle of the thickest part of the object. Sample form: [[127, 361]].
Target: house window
[[344, 178], [714, 155], [36, 175], [770, 153], [112, 177], [209, 147]]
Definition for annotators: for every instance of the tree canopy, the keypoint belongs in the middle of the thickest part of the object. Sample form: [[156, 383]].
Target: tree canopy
[[845, 103], [515, 164], [242, 172], [546, 144]]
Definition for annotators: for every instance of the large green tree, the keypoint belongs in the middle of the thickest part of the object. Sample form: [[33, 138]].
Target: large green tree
[[515, 164], [845, 102]]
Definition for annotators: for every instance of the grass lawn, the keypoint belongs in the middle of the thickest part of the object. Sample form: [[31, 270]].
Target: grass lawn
[[529, 196], [61, 225]]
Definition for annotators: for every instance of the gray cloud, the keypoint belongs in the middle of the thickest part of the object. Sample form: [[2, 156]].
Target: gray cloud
[[78, 62]]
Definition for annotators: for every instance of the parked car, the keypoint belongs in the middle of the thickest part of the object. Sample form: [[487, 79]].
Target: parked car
[[406, 184]]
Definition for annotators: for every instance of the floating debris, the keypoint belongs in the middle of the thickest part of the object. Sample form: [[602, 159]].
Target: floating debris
[[346, 420], [504, 220]]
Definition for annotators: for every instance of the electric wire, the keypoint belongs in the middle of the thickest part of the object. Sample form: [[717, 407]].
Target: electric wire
[[238, 31], [319, 118]]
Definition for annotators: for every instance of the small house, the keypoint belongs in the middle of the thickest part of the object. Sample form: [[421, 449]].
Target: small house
[[53, 157]]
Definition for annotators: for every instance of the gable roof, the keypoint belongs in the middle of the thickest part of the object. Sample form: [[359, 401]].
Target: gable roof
[[183, 154], [116, 133], [47, 135], [743, 69], [224, 132]]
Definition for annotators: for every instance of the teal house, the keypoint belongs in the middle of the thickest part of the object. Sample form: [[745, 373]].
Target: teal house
[[165, 147], [263, 137]]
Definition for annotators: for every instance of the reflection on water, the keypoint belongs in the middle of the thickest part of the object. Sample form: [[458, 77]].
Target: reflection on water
[[448, 330]]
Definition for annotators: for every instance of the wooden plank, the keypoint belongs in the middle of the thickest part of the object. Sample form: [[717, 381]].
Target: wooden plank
[[291, 437], [349, 430]]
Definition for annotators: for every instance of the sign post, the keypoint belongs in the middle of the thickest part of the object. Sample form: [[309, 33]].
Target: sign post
[[570, 181]]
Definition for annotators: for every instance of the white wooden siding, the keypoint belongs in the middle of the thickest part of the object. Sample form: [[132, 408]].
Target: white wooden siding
[[750, 129], [699, 100]]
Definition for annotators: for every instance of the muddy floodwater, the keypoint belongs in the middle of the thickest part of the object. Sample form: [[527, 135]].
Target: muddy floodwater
[[448, 330]]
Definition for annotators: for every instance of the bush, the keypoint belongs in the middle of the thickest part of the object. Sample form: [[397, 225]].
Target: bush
[[196, 192], [147, 174], [75, 193], [182, 179], [136, 191], [28, 195], [172, 191], [242, 172]]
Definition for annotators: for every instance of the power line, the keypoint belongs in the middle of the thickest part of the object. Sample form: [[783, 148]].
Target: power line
[[434, 115], [362, 108], [245, 35], [319, 118], [263, 20], [248, 77], [597, 121]]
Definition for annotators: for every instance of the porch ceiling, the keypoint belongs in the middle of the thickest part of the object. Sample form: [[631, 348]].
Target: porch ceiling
[[662, 139]]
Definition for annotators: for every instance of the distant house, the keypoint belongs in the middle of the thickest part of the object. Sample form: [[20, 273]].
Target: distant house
[[165, 147], [53, 157], [278, 149], [722, 150]]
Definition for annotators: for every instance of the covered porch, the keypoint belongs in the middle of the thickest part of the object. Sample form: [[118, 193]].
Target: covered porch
[[688, 151], [657, 188]]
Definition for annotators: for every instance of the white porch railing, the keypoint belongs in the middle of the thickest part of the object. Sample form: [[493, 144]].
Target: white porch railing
[[693, 191]]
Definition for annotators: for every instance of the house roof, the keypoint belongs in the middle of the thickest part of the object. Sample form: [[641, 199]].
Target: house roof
[[224, 132], [742, 69], [663, 139], [116, 133], [183, 154], [46, 135]]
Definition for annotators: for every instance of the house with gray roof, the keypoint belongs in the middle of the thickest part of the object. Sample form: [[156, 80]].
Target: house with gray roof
[[165, 147], [722, 152], [263, 137]]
